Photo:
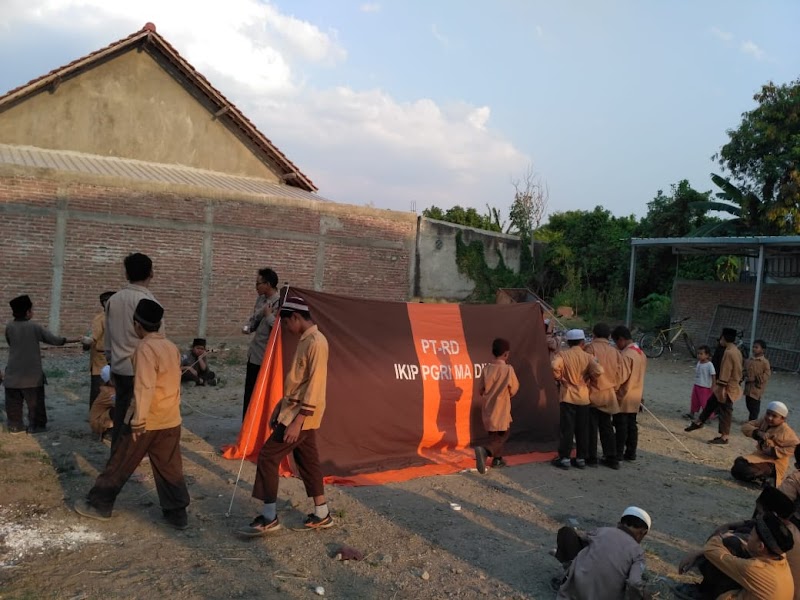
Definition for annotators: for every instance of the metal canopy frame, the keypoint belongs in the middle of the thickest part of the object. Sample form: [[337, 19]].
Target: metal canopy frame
[[760, 246]]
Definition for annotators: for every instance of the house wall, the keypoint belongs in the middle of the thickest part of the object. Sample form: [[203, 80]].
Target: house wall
[[64, 241], [437, 272], [131, 107]]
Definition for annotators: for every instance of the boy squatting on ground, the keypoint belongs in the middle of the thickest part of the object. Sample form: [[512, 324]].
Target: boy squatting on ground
[[705, 379], [194, 366], [498, 384], [605, 563], [294, 429], [152, 426], [24, 377], [757, 374], [572, 368], [776, 442]]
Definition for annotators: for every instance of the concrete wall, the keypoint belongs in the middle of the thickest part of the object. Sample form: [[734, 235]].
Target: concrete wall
[[64, 241], [699, 300], [437, 273], [130, 107]]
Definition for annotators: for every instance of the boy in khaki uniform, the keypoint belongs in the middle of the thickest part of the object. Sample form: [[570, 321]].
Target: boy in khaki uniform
[[95, 343], [603, 397], [629, 394], [498, 384], [776, 444], [572, 369], [758, 374]]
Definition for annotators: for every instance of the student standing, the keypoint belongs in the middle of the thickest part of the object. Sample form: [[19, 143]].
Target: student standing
[[757, 375], [95, 343], [603, 397], [498, 383], [629, 394], [298, 416], [705, 378]]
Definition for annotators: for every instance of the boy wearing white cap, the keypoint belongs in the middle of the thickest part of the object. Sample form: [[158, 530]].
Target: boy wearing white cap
[[776, 443], [610, 562], [572, 369]]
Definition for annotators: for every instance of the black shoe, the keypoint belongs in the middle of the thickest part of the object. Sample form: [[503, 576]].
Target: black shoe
[[694, 426], [83, 508], [498, 463], [611, 463], [37, 429], [591, 462], [314, 522], [480, 459], [629, 457], [260, 527], [561, 463], [16, 429], [688, 591], [176, 518], [578, 463]]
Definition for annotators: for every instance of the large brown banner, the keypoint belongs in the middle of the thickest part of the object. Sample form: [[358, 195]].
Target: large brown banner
[[402, 394]]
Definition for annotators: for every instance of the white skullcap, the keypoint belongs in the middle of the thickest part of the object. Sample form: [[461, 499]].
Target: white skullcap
[[635, 511], [779, 408], [105, 373], [575, 334]]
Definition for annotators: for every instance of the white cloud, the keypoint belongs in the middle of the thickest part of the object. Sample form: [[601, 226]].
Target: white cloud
[[753, 49], [358, 146], [720, 34], [439, 36], [370, 7]]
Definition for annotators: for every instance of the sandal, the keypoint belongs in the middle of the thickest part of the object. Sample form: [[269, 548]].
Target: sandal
[[718, 441], [694, 426]]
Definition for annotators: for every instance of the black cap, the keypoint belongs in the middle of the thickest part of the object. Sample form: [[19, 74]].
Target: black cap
[[199, 342], [775, 535], [106, 295], [148, 312], [729, 333], [774, 500], [21, 304]]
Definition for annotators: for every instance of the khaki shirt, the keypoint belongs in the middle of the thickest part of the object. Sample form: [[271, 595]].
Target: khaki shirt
[[760, 579], [758, 373], [777, 447], [631, 388], [730, 374], [305, 383], [121, 338], [498, 384], [156, 400], [603, 391], [572, 368], [97, 353]]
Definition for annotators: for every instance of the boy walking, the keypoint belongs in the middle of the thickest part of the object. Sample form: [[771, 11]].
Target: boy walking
[[299, 415], [498, 384], [152, 426], [756, 378], [603, 397], [629, 394], [572, 369], [24, 377]]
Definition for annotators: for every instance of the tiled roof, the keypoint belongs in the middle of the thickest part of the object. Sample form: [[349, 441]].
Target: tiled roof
[[138, 170], [153, 43]]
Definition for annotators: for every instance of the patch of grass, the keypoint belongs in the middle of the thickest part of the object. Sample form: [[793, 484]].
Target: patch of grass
[[56, 373]]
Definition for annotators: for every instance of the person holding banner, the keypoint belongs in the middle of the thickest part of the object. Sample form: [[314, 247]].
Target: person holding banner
[[498, 384], [294, 424]]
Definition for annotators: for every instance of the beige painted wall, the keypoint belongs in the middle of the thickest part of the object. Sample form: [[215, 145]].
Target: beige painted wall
[[132, 108]]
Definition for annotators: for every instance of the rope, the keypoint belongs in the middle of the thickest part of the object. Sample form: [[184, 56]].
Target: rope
[[692, 454]]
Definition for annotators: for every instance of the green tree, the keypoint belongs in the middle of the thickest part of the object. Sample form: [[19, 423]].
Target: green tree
[[750, 215], [465, 216], [763, 155]]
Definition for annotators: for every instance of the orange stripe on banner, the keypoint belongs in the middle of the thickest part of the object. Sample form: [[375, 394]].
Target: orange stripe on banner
[[267, 393], [447, 371]]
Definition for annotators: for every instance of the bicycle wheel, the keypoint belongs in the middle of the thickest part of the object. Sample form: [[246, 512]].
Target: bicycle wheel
[[690, 345], [652, 345]]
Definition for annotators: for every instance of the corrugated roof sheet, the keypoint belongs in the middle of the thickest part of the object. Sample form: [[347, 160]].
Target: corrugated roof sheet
[[138, 170]]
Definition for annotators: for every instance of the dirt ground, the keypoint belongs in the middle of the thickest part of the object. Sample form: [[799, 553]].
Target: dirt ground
[[416, 545]]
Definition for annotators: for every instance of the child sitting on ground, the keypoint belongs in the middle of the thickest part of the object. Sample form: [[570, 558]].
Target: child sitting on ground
[[194, 366], [498, 384], [705, 378]]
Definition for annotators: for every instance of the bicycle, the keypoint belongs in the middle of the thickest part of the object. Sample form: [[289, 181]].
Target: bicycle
[[653, 344]]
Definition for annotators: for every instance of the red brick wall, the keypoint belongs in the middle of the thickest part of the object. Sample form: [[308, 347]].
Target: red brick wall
[[363, 253], [699, 300]]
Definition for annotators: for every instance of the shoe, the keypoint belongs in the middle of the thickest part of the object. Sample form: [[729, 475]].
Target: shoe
[[83, 508], [591, 462], [16, 429], [480, 459], [260, 527], [688, 591], [629, 457], [498, 463], [561, 463], [689, 416], [176, 518], [37, 429], [694, 426], [611, 463], [314, 522], [578, 463], [718, 441]]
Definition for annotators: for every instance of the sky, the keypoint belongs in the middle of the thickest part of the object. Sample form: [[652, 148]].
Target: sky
[[407, 104]]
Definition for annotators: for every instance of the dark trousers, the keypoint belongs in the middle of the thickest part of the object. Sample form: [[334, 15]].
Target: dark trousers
[[200, 376], [163, 446], [497, 440], [723, 409], [626, 431], [715, 582], [34, 399], [95, 382], [753, 407], [124, 386], [250, 379], [600, 422], [274, 450], [574, 423], [747, 471]]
